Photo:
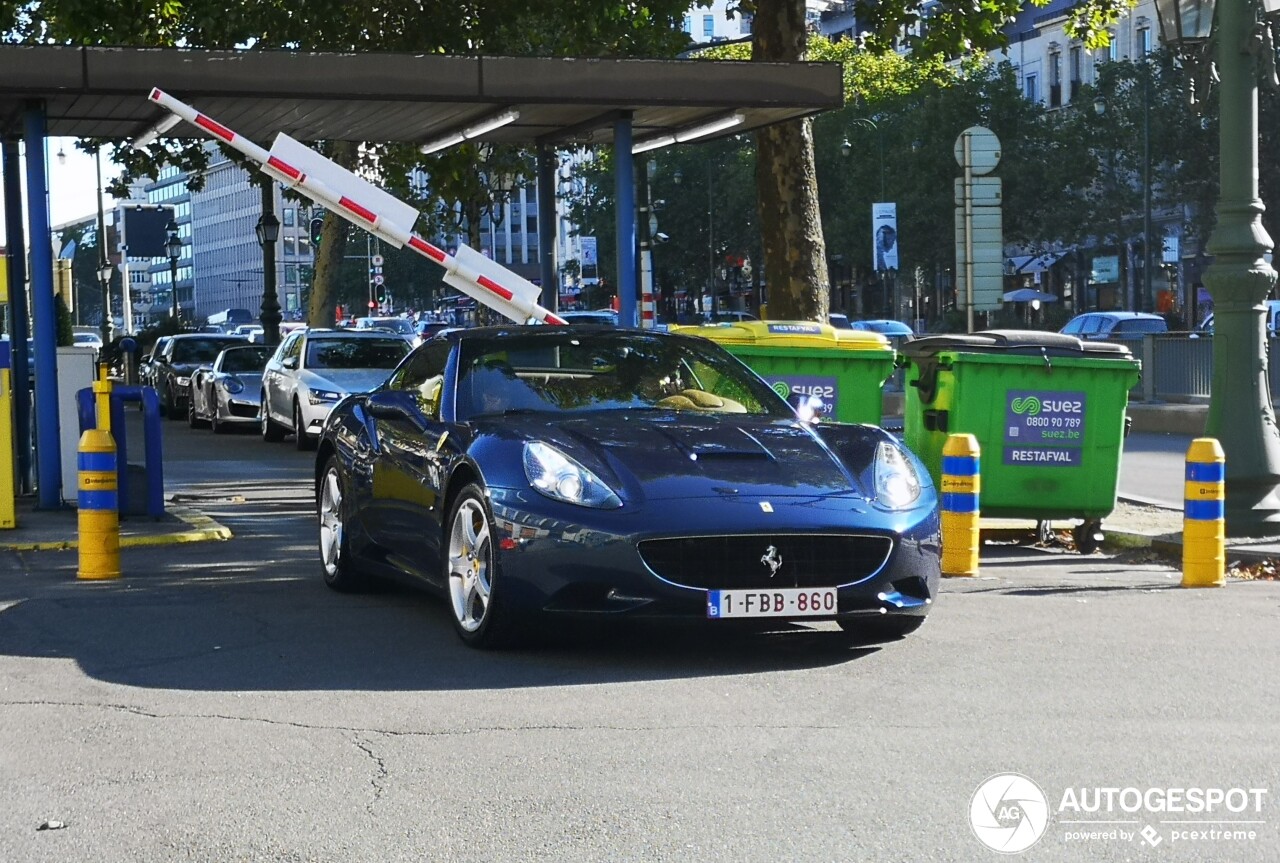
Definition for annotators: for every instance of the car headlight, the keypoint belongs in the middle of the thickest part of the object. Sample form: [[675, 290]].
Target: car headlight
[[184, 381], [558, 476], [897, 483], [233, 385], [319, 397]]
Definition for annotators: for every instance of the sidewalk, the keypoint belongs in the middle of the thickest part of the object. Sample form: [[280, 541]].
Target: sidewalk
[[54, 530]]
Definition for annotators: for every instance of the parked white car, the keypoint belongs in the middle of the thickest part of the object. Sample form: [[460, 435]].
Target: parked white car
[[313, 369]]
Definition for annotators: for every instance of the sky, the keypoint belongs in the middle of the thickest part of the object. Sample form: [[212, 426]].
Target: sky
[[73, 186]]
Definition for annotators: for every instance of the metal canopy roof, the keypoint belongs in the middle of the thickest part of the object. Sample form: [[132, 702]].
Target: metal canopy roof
[[102, 93]]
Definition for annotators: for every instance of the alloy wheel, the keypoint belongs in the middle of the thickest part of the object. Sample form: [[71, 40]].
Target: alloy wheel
[[331, 525], [470, 565]]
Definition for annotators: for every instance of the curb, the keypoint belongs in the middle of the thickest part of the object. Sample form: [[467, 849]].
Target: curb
[[201, 528]]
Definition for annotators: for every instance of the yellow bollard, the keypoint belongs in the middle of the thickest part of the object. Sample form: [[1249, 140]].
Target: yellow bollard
[[98, 499], [961, 483], [1204, 523]]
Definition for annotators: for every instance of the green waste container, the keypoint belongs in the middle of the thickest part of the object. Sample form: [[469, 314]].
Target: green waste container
[[1048, 411], [845, 368]]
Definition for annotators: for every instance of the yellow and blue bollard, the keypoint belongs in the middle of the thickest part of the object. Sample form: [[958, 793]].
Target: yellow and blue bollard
[[961, 484], [1204, 522], [98, 498]]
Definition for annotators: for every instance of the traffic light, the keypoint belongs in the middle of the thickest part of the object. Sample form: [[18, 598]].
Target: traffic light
[[380, 293], [316, 225]]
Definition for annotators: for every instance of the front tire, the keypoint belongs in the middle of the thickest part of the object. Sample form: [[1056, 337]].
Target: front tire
[[301, 440], [271, 430], [335, 550], [193, 420], [170, 403], [479, 616]]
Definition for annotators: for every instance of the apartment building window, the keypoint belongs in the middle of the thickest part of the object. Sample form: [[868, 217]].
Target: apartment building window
[[708, 25], [1055, 80], [290, 249], [1076, 72], [1030, 88], [1144, 41], [287, 217]]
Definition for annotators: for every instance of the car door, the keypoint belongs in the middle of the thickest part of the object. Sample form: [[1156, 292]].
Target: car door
[[410, 470], [277, 380]]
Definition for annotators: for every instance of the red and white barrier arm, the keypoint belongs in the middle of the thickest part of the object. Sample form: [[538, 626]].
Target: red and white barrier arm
[[469, 272]]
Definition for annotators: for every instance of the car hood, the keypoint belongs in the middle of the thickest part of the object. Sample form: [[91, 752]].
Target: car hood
[[345, 380], [669, 456]]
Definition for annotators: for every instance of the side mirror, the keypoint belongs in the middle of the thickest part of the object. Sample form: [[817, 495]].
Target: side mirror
[[808, 408], [289, 362]]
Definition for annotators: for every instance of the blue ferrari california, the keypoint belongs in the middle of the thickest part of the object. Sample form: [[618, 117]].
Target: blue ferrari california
[[531, 473]]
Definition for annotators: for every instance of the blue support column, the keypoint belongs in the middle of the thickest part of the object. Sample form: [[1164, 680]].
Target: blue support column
[[625, 194], [48, 442], [548, 227], [16, 243]]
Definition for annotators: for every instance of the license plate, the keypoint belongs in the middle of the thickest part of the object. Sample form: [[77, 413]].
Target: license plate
[[783, 602]]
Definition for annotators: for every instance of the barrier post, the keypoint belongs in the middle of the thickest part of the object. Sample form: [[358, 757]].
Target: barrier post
[[1204, 523], [8, 488], [98, 518], [961, 484]]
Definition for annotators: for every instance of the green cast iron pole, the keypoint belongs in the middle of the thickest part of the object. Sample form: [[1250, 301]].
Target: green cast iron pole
[[1241, 416]]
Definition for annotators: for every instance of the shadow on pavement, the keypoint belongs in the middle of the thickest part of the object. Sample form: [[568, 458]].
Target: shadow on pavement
[[273, 625]]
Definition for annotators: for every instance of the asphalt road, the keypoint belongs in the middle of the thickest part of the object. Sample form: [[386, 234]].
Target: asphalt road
[[219, 703], [1151, 468]]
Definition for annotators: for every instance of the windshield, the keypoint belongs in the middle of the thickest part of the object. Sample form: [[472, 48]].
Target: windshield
[[355, 353], [1141, 325], [199, 350], [610, 370], [245, 359]]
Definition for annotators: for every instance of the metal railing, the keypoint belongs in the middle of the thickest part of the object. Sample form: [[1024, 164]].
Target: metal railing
[[1178, 367]]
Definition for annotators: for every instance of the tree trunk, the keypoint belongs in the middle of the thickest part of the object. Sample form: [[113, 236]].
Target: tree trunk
[[795, 259], [322, 304]]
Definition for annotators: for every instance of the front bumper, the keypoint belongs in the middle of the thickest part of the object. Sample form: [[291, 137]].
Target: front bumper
[[313, 415], [595, 566], [242, 408]]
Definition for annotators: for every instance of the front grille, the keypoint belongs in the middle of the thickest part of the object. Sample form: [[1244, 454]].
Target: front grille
[[728, 562]]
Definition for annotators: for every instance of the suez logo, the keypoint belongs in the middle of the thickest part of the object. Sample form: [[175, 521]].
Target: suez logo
[[818, 386], [1009, 813], [1033, 406]]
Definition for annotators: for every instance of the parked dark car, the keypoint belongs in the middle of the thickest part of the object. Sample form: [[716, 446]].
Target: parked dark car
[[173, 363], [544, 473], [147, 362]]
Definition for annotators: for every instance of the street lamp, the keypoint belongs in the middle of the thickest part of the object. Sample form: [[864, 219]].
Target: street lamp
[[846, 148], [173, 247], [104, 265], [887, 278], [268, 231], [1241, 415], [104, 279], [678, 178], [1146, 301]]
